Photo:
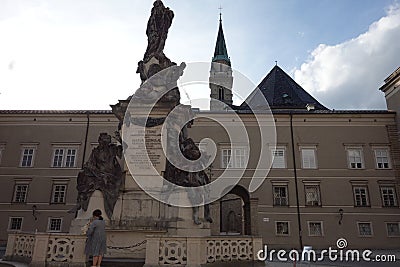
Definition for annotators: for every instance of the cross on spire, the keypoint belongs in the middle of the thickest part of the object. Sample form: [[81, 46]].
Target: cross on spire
[[220, 13]]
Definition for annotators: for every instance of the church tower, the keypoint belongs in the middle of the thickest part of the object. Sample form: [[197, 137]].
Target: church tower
[[220, 79]]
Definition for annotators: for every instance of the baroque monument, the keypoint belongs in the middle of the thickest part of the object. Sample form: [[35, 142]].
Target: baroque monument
[[111, 184], [148, 179]]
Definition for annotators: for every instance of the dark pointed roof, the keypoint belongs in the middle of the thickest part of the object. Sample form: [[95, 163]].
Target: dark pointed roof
[[281, 92], [221, 53]]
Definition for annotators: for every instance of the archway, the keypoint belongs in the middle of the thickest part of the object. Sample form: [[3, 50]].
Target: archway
[[235, 212]]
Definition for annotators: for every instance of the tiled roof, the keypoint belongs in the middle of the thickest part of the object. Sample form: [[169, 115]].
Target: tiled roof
[[281, 92], [55, 111], [321, 111]]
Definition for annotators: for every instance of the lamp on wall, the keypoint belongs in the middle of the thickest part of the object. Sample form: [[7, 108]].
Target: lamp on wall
[[34, 212], [341, 216]]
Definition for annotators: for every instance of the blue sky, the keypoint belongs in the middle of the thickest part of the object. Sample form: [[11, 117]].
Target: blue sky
[[83, 54]]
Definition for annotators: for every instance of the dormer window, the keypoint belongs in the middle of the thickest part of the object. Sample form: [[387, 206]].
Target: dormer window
[[287, 100]]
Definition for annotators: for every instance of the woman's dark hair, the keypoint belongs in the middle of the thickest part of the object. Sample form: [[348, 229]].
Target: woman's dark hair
[[97, 213]]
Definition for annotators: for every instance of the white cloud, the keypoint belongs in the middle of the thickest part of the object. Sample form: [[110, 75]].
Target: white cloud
[[61, 65], [348, 75]]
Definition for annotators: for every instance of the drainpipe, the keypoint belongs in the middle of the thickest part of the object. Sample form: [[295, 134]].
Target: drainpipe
[[295, 181], [86, 138]]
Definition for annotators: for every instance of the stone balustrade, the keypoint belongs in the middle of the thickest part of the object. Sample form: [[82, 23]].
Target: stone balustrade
[[46, 249], [57, 249], [196, 251]]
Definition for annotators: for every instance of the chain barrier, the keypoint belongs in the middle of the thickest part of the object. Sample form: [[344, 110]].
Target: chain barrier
[[128, 247]]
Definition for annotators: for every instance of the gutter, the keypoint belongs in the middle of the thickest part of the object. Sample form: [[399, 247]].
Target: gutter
[[86, 138], [296, 184]]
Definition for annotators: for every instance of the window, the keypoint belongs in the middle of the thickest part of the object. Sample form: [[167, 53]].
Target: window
[[15, 224], [308, 158], [355, 158], [70, 160], [27, 157], [20, 193], [234, 158], [361, 196], [58, 157], [58, 195], [280, 196], [221, 93], [382, 158], [388, 196], [54, 225], [64, 157], [2, 147], [315, 229], [364, 229], [393, 229], [226, 158], [278, 158], [312, 195], [282, 228]]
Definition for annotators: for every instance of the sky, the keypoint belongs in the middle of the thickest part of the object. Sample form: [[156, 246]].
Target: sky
[[70, 54]]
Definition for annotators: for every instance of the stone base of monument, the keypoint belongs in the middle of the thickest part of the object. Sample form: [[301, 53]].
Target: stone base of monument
[[96, 202], [184, 224]]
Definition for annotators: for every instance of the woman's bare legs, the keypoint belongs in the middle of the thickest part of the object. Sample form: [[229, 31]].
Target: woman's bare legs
[[100, 258], [96, 261]]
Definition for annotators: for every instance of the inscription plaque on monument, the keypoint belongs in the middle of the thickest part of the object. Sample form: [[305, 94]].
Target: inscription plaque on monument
[[145, 150]]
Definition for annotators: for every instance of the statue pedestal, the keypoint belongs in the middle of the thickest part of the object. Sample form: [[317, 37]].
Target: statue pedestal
[[96, 202], [184, 225]]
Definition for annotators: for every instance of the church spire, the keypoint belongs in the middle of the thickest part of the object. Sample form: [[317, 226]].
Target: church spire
[[221, 53], [221, 79]]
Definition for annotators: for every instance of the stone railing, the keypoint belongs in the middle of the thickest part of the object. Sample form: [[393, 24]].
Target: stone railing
[[46, 249], [51, 249], [230, 249], [194, 251], [22, 248]]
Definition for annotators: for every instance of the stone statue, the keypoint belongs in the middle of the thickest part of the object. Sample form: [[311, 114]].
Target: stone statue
[[190, 178], [154, 59], [157, 29], [194, 179], [159, 85], [101, 172], [162, 87]]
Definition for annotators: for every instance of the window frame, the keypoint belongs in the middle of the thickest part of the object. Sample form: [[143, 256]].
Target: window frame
[[365, 186], [376, 149], [2, 148], [53, 191], [286, 192], [10, 223], [371, 229], [64, 156], [319, 204], [396, 201], [322, 228], [23, 148], [272, 152], [14, 198], [355, 148], [312, 148], [276, 228], [49, 224], [387, 229], [232, 163]]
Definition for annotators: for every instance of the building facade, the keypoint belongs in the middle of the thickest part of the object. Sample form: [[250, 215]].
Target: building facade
[[335, 174]]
